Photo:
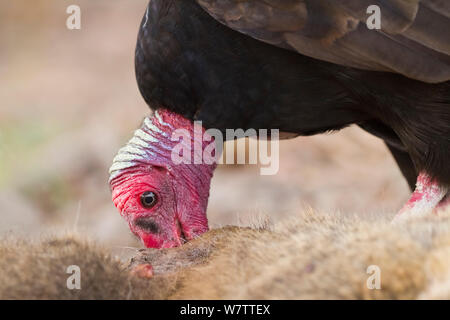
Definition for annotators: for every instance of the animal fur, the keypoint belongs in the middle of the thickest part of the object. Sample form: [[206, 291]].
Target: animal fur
[[37, 270], [311, 256]]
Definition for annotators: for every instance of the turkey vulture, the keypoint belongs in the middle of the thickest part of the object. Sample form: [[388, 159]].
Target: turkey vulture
[[301, 66]]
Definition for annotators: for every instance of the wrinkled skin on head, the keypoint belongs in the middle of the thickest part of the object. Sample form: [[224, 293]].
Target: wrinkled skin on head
[[179, 189], [178, 215]]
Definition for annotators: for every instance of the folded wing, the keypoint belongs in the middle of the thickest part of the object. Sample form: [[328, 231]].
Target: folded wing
[[414, 39]]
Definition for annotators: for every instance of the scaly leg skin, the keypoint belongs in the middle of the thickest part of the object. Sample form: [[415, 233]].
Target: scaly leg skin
[[428, 197]]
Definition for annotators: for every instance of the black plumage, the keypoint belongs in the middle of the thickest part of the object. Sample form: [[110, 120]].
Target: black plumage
[[192, 64]]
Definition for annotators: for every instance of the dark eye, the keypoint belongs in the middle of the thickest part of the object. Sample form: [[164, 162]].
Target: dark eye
[[148, 199]]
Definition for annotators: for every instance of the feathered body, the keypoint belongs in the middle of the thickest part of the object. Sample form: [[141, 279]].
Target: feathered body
[[191, 64]]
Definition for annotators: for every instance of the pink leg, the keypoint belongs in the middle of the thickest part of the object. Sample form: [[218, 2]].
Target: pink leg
[[428, 197]]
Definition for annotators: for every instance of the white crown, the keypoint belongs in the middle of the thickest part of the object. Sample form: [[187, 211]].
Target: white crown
[[140, 147]]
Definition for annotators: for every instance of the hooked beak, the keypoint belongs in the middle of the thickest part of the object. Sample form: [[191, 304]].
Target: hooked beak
[[155, 234]]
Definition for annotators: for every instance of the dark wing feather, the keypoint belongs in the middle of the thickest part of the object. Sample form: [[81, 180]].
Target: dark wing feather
[[414, 39]]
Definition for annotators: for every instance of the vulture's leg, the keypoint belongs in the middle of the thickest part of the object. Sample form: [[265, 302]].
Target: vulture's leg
[[428, 197], [396, 148], [405, 164]]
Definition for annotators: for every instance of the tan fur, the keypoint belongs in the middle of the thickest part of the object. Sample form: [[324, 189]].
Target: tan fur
[[37, 270], [310, 256]]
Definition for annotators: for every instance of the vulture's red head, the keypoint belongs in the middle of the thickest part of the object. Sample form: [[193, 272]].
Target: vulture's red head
[[163, 202]]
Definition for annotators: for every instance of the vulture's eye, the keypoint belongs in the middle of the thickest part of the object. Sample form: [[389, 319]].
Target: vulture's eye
[[148, 199]]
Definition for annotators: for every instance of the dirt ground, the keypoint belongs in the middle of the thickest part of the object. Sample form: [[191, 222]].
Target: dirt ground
[[69, 100]]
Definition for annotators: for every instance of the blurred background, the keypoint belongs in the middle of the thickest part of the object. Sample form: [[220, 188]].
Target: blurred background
[[69, 100]]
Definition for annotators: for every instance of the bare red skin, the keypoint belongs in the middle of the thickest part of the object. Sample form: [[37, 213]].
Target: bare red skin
[[428, 196], [182, 191], [426, 192], [144, 271]]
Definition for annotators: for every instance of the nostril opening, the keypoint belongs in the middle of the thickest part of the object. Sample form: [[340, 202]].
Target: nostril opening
[[147, 225]]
